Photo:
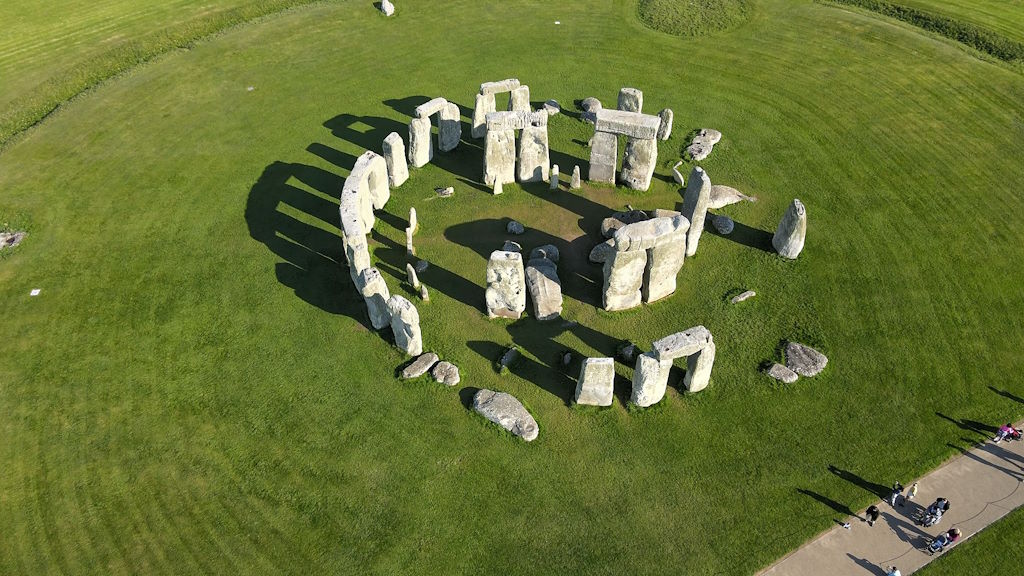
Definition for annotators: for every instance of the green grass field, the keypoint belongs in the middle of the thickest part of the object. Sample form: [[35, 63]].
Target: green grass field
[[1003, 16], [196, 388], [996, 550]]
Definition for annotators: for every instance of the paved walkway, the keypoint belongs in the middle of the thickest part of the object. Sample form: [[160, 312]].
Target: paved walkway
[[982, 486]]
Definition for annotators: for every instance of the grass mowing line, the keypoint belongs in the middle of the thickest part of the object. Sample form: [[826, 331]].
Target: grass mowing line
[[981, 39], [33, 107]]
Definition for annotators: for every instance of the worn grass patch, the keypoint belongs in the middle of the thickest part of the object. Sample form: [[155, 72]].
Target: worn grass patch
[[692, 17]]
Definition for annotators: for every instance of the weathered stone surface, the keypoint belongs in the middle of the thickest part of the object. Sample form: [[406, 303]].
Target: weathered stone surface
[[698, 368], [506, 411], [497, 188], [663, 213], [514, 227], [375, 293], [533, 154], [394, 158], [549, 251], [411, 277], [781, 373], [545, 289], [431, 107], [631, 100], [506, 285], [11, 239], [650, 379], [632, 124], [484, 105], [604, 157], [449, 127], [804, 360], [493, 88], [554, 177], [695, 206], [445, 192], [708, 135], [517, 120], [789, 237], [508, 358], [424, 293], [510, 246], [369, 180], [590, 105], [421, 148], [623, 276], [648, 233], [405, 323], [552, 107], [665, 129], [414, 222], [601, 252], [419, 366], [703, 143], [664, 259], [722, 196], [355, 210], [446, 373], [596, 383], [574, 182], [743, 296], [387, 7], [638, 163], [723, 224], [699, 151], [519, 99], [357, 254], [685, 343], [617, 220], [499, 156]]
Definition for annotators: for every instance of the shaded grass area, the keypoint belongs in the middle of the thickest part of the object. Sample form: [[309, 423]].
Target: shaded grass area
[[692, 17], [996, 550], [196, 390], [964, 31]]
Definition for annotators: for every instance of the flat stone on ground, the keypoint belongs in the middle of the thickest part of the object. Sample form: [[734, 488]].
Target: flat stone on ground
[[514, 227], [446, 373], [781, 373], [419, 366], [506, 411], [723, 224], [743, 296], [804, 360]]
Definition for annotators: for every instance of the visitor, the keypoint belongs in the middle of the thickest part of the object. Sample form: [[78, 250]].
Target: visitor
[[897, 490], [872, 514], [1007, 431], [893, 571], [911, 494]]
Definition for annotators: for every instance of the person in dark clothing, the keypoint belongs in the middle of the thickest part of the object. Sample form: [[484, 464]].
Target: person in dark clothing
[[897, 491], [872, 514]]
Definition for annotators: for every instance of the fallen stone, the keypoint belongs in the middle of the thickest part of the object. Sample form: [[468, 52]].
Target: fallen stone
[[631, 100], [703, 143], [497, 187], [663, 213], [387, 7], [445, 192], [506, 411], [665, 129], [788, 240], [446, 373], [405, 324], [514, 227], [804, 360], [743, 296], [685, 343], [545, 289], [10, 239], [548, 251], [552, 107], [781, 373], [722, 196], [617, 220], [708, 135], [419, 366], [508, 358], [698, 151], [596, 383], [723, 224], [574, 182], [601, 252], [506, 285]]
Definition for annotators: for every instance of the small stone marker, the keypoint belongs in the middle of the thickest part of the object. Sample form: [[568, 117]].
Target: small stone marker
[[781, 373], [411, 276], [506, 411], [387, 7], [424, 293], [723, 224], [421, 266], [413, 221], [554, 177], [574, 182], [410, 250], [10, 239], [744, 296], [596, 383], [445, 192], [446, 373], [507, 358], [35, 292], [419, 366]]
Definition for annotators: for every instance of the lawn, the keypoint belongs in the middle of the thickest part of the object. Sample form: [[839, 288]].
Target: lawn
[[996, 550], [1003, 16], [196, 388]]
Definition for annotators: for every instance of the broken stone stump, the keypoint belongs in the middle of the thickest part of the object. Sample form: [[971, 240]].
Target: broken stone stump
[[574, 182], [446, 373], [410, 274], [506, 285], [631, 100], [405, 323], [376, 294], [506, 411], [394, 157], [514, 227], [497, 187], [804, 360], [424, 293], [554, 177], [414, 222], [511, 246], [650, 379], [419, 366], [695, 206], [596, 382], [545, 288], [665, 129], [410, 250], [789, 237], [421, 148], [604, 154]]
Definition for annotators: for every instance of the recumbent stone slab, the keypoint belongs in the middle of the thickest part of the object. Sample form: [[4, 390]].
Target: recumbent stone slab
[[420, 365], [506, 411], [804, 360], [680, 344]]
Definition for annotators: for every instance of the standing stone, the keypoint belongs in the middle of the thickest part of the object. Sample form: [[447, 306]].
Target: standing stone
[[505, 411], [574, 182], [499, 156], [424, 293], [533, 149], [449, 127], [410, 274], [394, 157], [698, 368], [414, 222], [638, 163], [650, 379], [604, 157], [410, 250], [590, 106], [506, 285], [519, 100], [596, 383], [665, 130], [405, 323], [665, 258], [554, 177], [484, 105], [631, 100], [695, 206], [789, 237], [545, 288], [623, 276], [375, 292], [387, 7], [497, 187], [421, 149]]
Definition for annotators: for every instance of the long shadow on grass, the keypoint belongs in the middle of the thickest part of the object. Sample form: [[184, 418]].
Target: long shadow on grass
[[1007, 394], [313, 258], [834, 505], [466, 161], [743, 234], [980, 428], [872, 487]]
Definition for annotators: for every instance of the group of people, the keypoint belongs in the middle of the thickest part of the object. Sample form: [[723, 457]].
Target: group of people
[[1007, 431], [930, 516]]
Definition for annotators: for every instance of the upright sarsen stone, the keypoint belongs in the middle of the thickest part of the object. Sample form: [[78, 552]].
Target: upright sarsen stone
[[665, 258], [376, 294], [545, 288], [596, 383], [533, 149], [604, 157], [421, 148], [698, 368], [405, 323], [631, 100], [623, 276], [665, 130], [638, 163], [499, 156], [519, 99], [789, 237], [449, 127], [650, 379], [484, 105], [695, 206], [394, 157], [506, 285]]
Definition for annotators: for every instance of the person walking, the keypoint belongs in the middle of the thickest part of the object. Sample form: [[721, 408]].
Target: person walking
[[897, 491], [910, 495], [872, 514], [893, 571]]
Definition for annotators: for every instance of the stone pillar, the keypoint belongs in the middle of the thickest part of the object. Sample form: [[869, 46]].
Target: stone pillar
[[421, 149], [665, 129], [789, 237], [497, 187], [545, 288], [372, 169], [554, 177], [650, 378], [449, 127], [574, 182], [604, 157], [394, 157], [410, 274], [698, 368], [484, 105], [405, 323], [506, 285], [519, 99], [631, 100], [499, 156], [414, 222], [623, 276], [638, 163], [596, 383], [533, 149], [695, 206], [375, 293], [664, 261], [357, 254]]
